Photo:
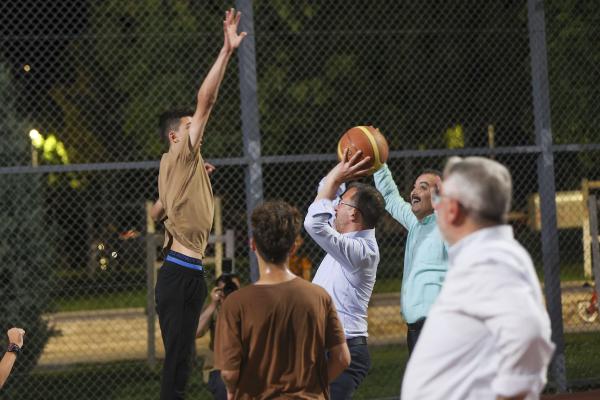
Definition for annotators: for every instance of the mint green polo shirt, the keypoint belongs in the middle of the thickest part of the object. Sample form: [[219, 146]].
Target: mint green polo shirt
[[425, 253]]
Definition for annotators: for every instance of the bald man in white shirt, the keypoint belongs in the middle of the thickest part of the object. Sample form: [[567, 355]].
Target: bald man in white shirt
[[488, 334]]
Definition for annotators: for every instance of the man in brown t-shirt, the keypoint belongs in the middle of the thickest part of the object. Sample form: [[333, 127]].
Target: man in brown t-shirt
[[186, 206], [272, 337]]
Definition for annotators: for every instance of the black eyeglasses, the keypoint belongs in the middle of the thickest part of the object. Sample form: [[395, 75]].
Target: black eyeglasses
[[349, 205]]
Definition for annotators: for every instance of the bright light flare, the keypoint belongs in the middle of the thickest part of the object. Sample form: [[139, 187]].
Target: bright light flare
[[37, 140]]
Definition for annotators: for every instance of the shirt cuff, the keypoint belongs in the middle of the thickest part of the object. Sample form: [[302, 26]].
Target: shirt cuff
[[340, 190], [381, 172], [321, 206], [510, 386]]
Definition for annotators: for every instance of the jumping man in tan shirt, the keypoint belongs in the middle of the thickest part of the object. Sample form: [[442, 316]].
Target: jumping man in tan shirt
[[186, 206]]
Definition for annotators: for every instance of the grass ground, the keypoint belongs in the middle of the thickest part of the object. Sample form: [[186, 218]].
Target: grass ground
[[134, 298], [137, 298], [136, 381]]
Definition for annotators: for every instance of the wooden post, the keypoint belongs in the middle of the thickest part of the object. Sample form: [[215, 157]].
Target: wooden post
[[218, 226], [150, 282], [587, 240], [491, 139]]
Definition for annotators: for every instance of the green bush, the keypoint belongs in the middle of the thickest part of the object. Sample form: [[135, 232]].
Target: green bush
[[24, 248]]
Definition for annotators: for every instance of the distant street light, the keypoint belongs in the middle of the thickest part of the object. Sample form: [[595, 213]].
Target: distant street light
[[37, 141]]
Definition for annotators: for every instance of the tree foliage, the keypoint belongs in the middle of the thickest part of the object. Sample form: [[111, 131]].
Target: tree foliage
[[24, 245]]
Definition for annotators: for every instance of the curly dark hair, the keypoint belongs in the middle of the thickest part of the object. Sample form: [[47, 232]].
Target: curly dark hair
[[275, 225]]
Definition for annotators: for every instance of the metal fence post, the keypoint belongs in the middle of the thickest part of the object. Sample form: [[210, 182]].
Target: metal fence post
[[547, 189], [250, 120]]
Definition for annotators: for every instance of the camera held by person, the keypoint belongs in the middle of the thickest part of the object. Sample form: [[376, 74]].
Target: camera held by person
[[225, 284]]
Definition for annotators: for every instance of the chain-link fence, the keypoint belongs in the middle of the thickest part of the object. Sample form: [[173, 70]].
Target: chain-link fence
[[81, 88]]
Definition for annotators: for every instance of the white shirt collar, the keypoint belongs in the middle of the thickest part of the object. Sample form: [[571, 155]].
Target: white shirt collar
[[367, 234], [483, 234]]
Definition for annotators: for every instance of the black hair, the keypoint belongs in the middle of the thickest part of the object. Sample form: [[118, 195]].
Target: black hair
[[432, 171], [170, 120], [369, 202]]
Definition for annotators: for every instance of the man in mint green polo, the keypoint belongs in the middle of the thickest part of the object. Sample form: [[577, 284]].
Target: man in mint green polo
[[425, 253]]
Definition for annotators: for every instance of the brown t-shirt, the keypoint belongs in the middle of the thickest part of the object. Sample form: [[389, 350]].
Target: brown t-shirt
[[277, 336], [186, 194]]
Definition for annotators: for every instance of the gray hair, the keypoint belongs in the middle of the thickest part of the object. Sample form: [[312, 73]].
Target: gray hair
[[481, 185]]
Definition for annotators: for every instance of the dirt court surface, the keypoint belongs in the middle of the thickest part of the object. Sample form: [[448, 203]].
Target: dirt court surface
[[121, 334], [591, 395]]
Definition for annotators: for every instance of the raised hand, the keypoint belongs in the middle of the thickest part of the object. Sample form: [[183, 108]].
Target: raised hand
[[351, 167], [15, 335], [209, 168], [216, 295], [230, 26]]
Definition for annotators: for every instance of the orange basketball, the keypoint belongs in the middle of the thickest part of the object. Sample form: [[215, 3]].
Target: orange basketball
[[367, 139]]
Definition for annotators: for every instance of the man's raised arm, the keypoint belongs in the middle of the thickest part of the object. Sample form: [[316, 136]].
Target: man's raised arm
[[207, 95]]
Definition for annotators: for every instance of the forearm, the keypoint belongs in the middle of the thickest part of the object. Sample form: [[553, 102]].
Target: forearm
[[339, 359], [398, 208], [207, 95], [6, 366], [329, 188], [157, 212], [230, 378], [334, 369], [205, 318]]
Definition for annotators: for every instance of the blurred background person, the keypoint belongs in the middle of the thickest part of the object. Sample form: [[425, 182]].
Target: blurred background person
[[300, 264], [15, 343], [225, 284]]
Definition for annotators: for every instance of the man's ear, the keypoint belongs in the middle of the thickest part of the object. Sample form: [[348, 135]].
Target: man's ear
[[455, 212], [173, 137], [252, 244], [355, 215]]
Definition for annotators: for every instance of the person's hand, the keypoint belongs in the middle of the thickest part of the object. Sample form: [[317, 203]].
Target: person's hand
[[15, 335], [350, 167], [216, 295], [436, 189], [230, 25], [209, 168]]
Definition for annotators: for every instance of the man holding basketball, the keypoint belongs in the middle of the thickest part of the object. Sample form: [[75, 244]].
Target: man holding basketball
[[425, 254], [349, 269], [186, 205]]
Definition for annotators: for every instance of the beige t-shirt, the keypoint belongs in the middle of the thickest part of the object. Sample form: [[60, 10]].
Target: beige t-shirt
[[277, 337], [185, 191]]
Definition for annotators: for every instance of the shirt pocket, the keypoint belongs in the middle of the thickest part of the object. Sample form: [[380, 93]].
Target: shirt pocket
[[431, 250], [428, 284]]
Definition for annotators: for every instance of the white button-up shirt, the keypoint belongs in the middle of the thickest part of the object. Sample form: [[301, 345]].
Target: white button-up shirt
[[488, 334], [348, 270]]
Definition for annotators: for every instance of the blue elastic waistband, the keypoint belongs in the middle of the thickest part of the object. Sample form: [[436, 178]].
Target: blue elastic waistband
[[184, 261]]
